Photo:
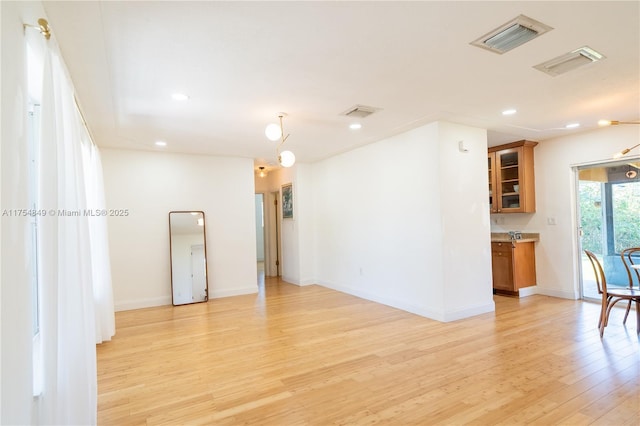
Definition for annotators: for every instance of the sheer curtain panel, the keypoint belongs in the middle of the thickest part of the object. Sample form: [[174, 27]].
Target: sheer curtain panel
[[100, 261], [75, 281]]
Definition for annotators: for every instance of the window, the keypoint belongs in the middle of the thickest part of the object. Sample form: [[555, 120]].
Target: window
[[34, 86], [33, 123], [34, 141]]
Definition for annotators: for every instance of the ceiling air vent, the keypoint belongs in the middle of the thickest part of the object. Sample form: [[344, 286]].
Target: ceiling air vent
[[360, 111], [511, 35], [569, 61]]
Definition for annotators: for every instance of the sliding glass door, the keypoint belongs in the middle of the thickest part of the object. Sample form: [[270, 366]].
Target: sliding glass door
[[609, 213]]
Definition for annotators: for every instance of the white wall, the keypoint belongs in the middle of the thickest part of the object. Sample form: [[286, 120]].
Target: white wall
[[150, 185], [305, 203], [405, 222], [464, 195], [557, 256]]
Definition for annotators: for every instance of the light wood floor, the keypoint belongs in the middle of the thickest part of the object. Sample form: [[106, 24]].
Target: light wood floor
[[312, 356]]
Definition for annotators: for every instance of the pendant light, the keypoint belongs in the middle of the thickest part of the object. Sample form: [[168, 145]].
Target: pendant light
[[617, 123], [274, 132]]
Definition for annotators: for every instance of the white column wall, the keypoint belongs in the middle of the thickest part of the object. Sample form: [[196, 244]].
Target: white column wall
[[403, 222], [150, 185], [306, 223], [378, 222], [464, 194]]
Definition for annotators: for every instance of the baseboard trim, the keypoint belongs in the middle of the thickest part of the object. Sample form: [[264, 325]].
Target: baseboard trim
[[438, 315], [556, 293], [130, 305], [300, 283], [469, 311], [290, 280], [528, 291], [218, 294]]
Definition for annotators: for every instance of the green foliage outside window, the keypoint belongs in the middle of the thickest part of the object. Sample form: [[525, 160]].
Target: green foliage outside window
[[626, 215], [591, 215]]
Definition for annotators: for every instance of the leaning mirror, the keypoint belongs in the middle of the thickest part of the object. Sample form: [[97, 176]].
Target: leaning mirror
[[188, 252]]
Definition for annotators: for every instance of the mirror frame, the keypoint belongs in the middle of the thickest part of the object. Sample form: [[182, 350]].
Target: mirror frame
[[206, 259]]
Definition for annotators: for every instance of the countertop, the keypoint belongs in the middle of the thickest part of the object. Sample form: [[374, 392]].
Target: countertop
[[503, 237]]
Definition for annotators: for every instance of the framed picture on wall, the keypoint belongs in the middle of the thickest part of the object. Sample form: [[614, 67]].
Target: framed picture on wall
[[287, 201]]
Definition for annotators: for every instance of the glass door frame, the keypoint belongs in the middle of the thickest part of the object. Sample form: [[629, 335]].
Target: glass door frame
[[578, 217]]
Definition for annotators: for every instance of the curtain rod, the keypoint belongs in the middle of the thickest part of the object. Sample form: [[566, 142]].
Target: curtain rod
[[84, 122], [43, 27]]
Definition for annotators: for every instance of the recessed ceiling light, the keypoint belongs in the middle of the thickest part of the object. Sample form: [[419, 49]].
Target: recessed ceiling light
[[179, 97], [509, 111], [355, 126], [572, 125], [160, 143]]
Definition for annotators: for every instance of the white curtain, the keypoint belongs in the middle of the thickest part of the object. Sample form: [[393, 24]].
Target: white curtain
[[76, 296], [100, 262]]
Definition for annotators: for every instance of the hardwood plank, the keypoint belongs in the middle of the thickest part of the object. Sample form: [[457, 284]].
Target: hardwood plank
[[309, 355]]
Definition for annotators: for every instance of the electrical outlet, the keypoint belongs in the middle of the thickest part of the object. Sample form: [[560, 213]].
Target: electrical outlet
[[551, 221]]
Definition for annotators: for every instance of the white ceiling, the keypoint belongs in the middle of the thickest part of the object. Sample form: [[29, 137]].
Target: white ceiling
[[243, 62]]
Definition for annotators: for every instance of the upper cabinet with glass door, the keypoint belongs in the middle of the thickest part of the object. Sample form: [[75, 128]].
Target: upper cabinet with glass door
[[511, 178]]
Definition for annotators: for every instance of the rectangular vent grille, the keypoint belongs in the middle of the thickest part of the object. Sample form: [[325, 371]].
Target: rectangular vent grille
[[511, 38], [569, 61], [511, 35], [360, 111]]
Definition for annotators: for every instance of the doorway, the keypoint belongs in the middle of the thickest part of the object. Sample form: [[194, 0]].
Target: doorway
[[274, 267], [608, 198], [260, 238]]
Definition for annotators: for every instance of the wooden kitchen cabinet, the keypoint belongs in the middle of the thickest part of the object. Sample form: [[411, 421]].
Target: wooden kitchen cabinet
[[511, 178], [513, 265]]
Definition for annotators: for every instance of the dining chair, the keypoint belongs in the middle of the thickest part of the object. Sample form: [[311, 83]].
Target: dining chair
[[633, 269], [611, 296]]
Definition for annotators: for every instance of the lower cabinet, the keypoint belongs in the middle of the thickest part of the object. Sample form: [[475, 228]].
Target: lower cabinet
[[513, 265]]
